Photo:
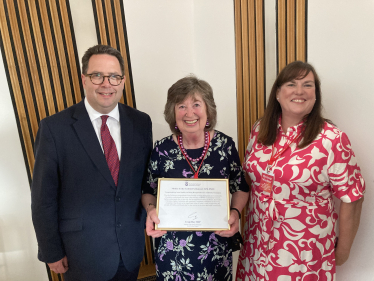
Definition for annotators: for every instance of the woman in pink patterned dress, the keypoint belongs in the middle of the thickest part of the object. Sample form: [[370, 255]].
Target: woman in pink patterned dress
[[296, 160]]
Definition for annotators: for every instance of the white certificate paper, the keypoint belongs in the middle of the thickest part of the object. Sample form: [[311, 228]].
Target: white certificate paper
[[193, 204]]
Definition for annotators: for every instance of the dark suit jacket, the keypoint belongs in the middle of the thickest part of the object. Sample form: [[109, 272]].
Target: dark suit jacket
[[77, 210]]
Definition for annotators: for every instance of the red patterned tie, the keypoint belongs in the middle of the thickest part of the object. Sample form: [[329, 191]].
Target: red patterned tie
[[110, 149]]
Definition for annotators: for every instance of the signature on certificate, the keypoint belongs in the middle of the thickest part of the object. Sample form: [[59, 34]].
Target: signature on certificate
[[193, 216]]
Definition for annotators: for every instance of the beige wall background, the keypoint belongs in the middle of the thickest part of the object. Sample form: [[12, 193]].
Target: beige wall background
[[168, 39], [340, 40]]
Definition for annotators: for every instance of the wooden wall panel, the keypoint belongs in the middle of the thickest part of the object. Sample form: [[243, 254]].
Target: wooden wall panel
[[301, 25], [39, 52], [111, 30], [250, 68], [291, 31], [41, 64], [281, 34]]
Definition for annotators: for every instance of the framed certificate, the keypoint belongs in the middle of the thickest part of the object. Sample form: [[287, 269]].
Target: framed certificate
[[193, 204]]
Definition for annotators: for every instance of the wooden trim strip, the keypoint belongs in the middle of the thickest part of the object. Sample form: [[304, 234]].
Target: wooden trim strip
[[10, 40], [100, 26], [108, 16], [281, 28], [43, 60], [239, 78], [128, 97], [251, 107], [70, 99], [111, 30], [246, 68], [12, 77], [61, 101], [260, 55], [130, 93], [300, 30], [294, 30], [72, 53], [291, 30], [33, 61], [66, 93], [52, 57], [39, 74], [22, 73], [250, 69], [26, 46]]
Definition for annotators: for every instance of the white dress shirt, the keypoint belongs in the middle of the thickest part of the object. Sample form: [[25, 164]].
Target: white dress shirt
[[112, 123]]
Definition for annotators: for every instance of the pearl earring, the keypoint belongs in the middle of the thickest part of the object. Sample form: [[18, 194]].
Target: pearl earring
[[207, 123], [176, 127]]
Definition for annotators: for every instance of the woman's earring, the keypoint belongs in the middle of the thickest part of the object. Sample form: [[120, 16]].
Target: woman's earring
[[176, 127], [207, 123]]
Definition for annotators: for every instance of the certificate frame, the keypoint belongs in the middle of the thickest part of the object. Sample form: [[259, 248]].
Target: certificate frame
[[174, 212]]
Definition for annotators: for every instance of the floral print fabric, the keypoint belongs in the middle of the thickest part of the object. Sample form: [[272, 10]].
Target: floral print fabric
[[185, 255], [290, 233]]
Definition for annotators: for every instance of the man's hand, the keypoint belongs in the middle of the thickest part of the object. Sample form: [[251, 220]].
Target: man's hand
[[60, 266]]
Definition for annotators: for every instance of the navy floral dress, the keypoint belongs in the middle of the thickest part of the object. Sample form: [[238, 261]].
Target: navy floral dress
[[186, 255]]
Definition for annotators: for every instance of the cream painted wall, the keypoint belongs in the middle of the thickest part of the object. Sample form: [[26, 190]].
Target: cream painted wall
[[214, 57], [171, 39], [84, 25], [340, 46], [160, 35]]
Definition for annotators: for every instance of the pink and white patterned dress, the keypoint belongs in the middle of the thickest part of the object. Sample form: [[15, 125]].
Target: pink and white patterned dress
[[290, 233]]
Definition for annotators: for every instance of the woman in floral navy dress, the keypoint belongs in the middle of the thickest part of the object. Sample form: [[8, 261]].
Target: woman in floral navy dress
[[190, 112], [296, 161]]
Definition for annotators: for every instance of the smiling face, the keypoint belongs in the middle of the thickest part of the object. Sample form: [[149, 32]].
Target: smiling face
[[191, 115], [297, 97], [104, 97]]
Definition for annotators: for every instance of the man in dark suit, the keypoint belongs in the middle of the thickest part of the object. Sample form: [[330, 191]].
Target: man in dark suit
[[90, 162]]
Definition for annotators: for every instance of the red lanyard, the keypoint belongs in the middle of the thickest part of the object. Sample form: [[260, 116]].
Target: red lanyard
[[196, 174], [273, 158]]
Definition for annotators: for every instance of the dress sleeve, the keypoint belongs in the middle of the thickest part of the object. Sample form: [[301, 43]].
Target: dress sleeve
[[236, 174], [153, 172], [344, 173]]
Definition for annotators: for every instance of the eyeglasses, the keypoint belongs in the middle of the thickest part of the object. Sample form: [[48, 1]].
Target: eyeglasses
[[98, 79]]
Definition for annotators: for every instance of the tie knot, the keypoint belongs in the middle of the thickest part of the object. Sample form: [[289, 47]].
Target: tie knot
[[104, 118]]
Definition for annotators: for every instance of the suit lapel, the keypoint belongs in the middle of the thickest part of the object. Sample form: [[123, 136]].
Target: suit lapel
[[127, 145], [86, 134]]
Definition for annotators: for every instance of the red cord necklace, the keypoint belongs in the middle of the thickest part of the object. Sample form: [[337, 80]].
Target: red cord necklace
[[180, 143]]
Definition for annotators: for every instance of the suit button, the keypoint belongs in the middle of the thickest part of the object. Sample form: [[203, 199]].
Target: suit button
[[119, 225], [118, 198]]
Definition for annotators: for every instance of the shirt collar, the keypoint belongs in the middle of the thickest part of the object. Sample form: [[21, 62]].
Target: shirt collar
[[296, 128], [93, 114]]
